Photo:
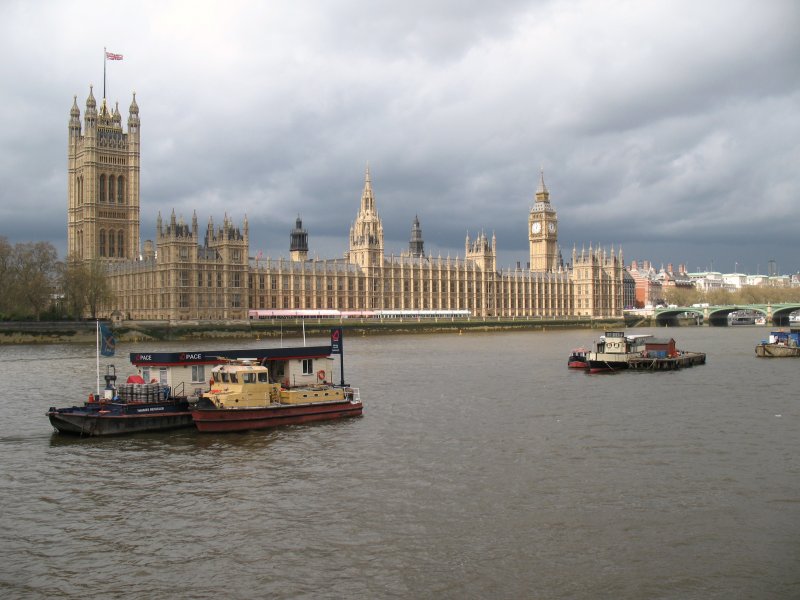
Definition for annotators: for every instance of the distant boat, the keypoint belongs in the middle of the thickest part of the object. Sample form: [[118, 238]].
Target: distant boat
[[577, 360], [780, 344], [741, 318], [614, 351]]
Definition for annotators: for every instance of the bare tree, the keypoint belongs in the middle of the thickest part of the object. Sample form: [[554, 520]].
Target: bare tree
[[97, 288], [7, 279], [34, 268]]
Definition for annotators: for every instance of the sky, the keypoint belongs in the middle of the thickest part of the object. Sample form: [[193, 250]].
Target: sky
[[667, 129]]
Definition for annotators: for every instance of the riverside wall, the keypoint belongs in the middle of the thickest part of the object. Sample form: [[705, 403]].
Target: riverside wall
[[138, 331]]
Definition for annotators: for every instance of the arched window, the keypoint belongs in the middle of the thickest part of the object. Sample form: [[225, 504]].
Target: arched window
[[102, 188], [120, 244], [111, 240], [102, 242], [111, 188], [120, 191]]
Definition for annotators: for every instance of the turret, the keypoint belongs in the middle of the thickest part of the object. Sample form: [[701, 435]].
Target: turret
[[74, 119], [133, 116], [90, 116], [298, 242], [416, 246]]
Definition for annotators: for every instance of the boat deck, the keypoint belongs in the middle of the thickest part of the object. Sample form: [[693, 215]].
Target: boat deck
[[685, 359]]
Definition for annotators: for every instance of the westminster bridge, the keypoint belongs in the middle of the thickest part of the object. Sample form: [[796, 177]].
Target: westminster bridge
[[775, 314]]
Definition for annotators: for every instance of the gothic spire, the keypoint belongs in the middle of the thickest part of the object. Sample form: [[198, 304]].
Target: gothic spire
[[367, 197], [541, 191]]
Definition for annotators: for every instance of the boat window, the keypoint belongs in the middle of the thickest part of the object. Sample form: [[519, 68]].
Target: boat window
[[233, 378], [248, 377], [262, 377], [198, 374], [224, 376]]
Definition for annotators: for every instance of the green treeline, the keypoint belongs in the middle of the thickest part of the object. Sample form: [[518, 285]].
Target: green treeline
[[37, 286], [681, 296]]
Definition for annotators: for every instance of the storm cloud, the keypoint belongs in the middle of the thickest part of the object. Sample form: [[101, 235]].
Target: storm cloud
[[668, 129]]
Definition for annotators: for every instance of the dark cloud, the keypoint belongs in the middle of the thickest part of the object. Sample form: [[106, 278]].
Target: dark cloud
[[666, 128]]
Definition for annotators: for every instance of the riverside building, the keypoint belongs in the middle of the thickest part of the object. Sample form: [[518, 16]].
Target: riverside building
[[193, 273]]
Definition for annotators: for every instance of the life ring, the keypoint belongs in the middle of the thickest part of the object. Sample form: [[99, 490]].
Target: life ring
[[321, 375]]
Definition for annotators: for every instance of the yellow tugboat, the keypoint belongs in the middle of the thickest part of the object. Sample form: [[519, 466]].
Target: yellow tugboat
[[244, 394]]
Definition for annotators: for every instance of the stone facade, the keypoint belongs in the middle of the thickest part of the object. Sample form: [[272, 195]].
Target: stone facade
[[189, 276], [103, 183]]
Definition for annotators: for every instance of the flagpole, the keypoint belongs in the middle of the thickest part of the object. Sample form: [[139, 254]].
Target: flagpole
[[97, 352], [105, 59]]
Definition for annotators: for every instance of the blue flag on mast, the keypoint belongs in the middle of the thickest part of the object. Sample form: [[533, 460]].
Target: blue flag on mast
[[107, 342]]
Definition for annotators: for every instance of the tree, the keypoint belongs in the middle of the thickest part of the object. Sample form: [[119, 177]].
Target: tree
[[682, 295], [85, 287], [7, 278], [73, 284], [34, 268], [98, 289], [719, 297]]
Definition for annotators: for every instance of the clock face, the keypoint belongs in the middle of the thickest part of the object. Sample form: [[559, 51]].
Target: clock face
[[551, 227], [536, 227]]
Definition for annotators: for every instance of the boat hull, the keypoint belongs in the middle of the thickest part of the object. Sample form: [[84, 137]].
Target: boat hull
[[606, 366], [777, 351], [243, 419], [104, 420]]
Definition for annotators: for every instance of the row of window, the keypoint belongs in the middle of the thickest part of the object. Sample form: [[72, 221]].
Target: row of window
[[110, 188], [159, 375], [111, 184], [111, 244], [185, 301]]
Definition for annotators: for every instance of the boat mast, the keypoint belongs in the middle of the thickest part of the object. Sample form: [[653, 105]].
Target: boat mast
[[97, 352]]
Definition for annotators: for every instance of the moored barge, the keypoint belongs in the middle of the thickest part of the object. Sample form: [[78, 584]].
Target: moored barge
[[615, 351], [780, 344], [124, 408]]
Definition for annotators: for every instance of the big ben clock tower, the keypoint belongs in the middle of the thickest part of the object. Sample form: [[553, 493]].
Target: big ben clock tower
[[543, 231]]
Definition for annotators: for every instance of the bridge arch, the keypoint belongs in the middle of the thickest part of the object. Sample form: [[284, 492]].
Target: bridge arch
[[717, 316]]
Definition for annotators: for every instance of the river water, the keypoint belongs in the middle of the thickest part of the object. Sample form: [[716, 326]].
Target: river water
[[482, 468]]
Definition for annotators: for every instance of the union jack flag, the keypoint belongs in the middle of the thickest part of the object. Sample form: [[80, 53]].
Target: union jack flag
[[112, 56]]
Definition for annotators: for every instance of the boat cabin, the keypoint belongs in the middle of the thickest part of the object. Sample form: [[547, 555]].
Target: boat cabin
[[616, 342], [245, 383], [190, 373], [660, 348], [785, 338]]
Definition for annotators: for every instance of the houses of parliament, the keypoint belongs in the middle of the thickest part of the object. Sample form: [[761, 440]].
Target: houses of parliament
[[193, 272]]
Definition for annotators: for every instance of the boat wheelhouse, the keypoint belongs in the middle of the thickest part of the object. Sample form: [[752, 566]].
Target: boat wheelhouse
[[614, 351]]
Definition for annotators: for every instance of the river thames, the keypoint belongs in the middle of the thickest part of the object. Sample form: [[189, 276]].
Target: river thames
[[482, 468]]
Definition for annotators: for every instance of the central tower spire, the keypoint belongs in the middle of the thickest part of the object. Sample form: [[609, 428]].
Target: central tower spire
[[366, 234]]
